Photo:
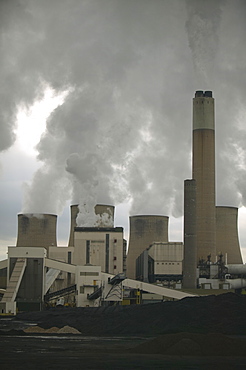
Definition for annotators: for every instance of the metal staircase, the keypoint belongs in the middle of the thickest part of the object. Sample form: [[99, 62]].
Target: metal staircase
[[15, 280]]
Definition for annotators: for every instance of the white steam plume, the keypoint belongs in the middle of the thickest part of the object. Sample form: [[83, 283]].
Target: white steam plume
[[124, 130], [203, 22]]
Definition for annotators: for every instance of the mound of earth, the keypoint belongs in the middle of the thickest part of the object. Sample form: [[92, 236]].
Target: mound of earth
[[192, 344], [54, 330], [208, 314]]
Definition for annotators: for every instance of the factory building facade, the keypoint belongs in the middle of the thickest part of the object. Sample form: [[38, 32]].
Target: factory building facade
[[160, 262], [99, 246]]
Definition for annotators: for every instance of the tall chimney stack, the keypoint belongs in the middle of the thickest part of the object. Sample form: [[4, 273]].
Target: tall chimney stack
[[190, 251], [203, 171]]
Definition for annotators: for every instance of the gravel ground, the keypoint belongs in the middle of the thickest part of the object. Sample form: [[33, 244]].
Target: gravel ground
[[51, 352]]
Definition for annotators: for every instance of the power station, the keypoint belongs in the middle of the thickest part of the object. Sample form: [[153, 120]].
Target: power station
[[95, 267]]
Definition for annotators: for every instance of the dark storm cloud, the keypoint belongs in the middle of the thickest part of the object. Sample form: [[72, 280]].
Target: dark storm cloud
[[130, 69]]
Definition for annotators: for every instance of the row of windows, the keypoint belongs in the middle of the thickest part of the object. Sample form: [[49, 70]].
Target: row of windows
[[88, 273], [100, 241], [168, 263]]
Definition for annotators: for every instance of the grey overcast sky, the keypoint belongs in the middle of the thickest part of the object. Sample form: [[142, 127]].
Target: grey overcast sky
[[125, 72]]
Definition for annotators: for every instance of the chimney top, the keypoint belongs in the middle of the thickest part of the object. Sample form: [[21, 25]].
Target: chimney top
[[201, 94]]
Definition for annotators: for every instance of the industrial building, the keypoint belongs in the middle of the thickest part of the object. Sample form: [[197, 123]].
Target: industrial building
[[87, 272], [161, 262], [95, 268]]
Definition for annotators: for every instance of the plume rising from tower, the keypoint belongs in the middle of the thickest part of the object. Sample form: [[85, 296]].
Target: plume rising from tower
[[104, 212]]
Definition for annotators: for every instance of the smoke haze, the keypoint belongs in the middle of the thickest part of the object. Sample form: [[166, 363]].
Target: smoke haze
[[129, 70]]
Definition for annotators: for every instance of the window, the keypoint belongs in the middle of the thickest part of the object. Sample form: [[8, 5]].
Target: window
[[87, 251], [88, 273], [107, 254], [82, 289]]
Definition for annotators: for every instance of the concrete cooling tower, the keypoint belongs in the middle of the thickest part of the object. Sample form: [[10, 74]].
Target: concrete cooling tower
[[36, 230], [105, 211], [203, 171], [144, 230], [227, 234]]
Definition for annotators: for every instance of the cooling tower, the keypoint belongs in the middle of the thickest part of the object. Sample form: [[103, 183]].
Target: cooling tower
[[105, 211], [144, 230], [73, 215], [36, 230], [190, 252], [227, 234], [203, 171]]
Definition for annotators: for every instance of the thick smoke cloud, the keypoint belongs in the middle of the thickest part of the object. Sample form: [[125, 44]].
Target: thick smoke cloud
[[130, 69], [203, 25]]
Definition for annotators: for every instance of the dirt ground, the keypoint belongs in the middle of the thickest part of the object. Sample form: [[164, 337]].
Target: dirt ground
[[193, 333], [42, 352]]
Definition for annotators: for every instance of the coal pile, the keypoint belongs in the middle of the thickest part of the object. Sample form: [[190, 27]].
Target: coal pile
[[193, 344], [208, 314]]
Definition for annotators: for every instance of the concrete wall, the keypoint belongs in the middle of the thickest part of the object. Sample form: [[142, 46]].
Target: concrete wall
[[99, 246], [167, 258], [88, 279], [160, 260]]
